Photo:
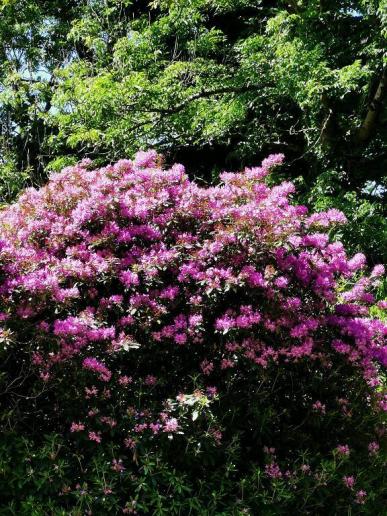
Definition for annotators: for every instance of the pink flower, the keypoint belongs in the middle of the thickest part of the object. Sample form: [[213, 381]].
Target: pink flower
[[140, 427], [281, 282], [93, 364], [326, 218], [319, 407], [226, 363], [216, 435], [77, 427], [155, 427], [129, 278], [108, 421], [272, 161], [207, 367], [349, 482], [90, 392], [150, 380], [361, 497], [145, 159], [95, 436], [170, 425], [373, 448], [272, 470], [357, 262], [195, 320], [169, 293], [211, 391], [130, 443], [180, 338], [377, 271], [343, 450], [117, 466], [125, 380], [224, 323], [37, 359], [124, 165], [45, 376]]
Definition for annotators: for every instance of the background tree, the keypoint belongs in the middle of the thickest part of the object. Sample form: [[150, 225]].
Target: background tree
[[215, 83]]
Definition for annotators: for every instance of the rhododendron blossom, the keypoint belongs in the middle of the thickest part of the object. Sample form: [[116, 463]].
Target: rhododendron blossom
[[343, 450], [135, 287], [361, 497], [349, 481]]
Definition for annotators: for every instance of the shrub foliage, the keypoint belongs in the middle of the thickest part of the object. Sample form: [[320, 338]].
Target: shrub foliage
[[174, 349]]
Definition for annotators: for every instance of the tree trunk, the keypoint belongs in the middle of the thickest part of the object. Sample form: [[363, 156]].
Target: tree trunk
[[368, 126]]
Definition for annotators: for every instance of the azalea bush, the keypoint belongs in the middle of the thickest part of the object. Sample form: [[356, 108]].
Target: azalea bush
[[174, 349]]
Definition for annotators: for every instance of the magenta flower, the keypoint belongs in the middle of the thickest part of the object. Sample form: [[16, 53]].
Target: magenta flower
[[92, 364], [125, 380], [95, 436], [150, 380], [349, 482], [319, 407], [171, 425], [77, 427], [146, 159], [343, 450], [361, 497], [117, 466], [272, 470], [373, 448]]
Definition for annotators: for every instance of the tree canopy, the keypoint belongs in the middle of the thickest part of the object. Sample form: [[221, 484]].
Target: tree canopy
[[215, 83]]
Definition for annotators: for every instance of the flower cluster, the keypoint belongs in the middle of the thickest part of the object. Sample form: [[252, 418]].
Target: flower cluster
[[133, 279]]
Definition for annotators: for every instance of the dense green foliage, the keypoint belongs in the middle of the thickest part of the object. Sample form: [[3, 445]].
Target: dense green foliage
[[215, 83], [47, 476]]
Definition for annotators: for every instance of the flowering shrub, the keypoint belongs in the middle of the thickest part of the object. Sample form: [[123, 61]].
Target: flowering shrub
[[142, 313]]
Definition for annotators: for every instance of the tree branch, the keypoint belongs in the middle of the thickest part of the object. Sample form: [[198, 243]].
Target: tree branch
[[208, 93]]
